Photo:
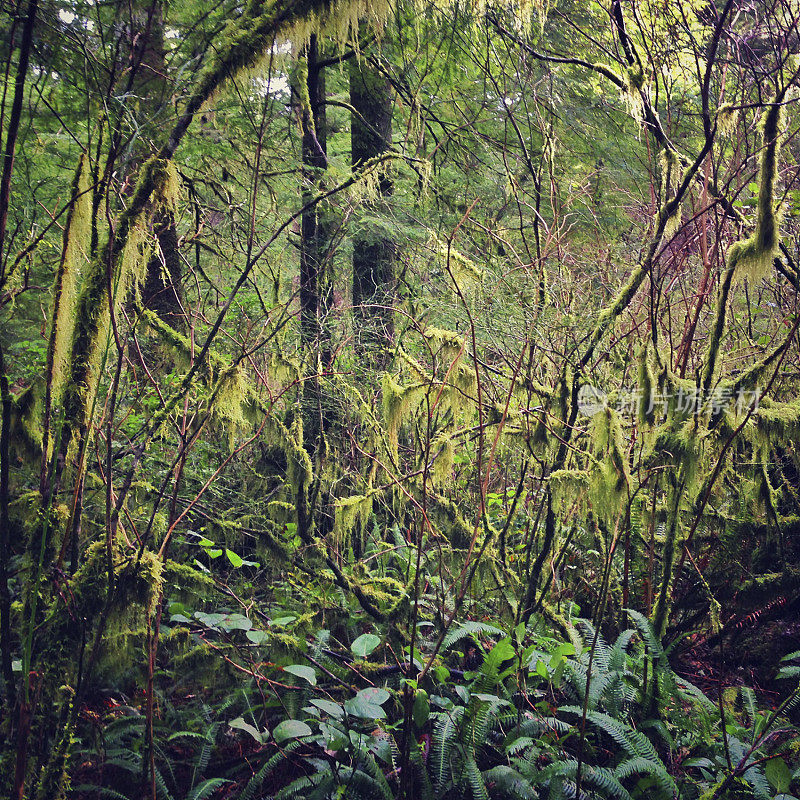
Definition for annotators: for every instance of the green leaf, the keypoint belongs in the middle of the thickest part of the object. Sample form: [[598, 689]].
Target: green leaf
[[257, 636], [329, 707], [778, 774], [335, 739], [241, 725], [213, 553], [306, 673], [290, 729], [235, 622], [359, 707], [365, 644], [566, 649], [422, 708], [375, 695], [236, 560]]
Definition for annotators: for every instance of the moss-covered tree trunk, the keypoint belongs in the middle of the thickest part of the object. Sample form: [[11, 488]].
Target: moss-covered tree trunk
[[315, 242], [315, 283], [161, 290], [374, 252]]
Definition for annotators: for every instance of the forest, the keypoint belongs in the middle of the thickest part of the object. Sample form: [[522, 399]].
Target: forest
[[400, 399]]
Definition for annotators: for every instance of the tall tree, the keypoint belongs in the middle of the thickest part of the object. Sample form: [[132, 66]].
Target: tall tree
[[374, 251], [161, 290]]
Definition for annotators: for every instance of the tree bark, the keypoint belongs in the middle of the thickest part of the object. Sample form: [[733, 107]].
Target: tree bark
[[315, 244], [315, 281], [162, 289], [374, 253]]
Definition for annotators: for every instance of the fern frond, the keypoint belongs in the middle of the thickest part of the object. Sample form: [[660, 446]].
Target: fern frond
[[470, 629], [444, 737], [647, 632], [503, 781], [102, 791], [633, 742], [254, 784], [204, 790], [475, 779]]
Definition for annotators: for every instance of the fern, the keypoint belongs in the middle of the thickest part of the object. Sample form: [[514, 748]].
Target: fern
[[206, 788], [373, 771], [470, 629], [753, 775], [648, 634], [254, 784], [642, 766], [475, 779], [102, 791], [444, 736], [633, 742], [618, 657], [299, 785], [423, 782], [602, 779], [503, 781]]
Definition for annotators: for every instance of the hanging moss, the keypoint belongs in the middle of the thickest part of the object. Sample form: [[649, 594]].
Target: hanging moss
[[670, 212], [398, 403], [128, 255], [727, 119], [299, 470], [778, 421], [443, 451], [351, 514], [611, 477], [753, 257], [446, 344], [568, 486], [74, 258], [26, 423], [647, 386], [464, 272]]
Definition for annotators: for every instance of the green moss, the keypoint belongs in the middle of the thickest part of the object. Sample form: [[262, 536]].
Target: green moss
[[753, 257]]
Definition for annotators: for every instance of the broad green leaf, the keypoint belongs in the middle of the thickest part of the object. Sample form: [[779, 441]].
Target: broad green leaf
[[778, 774], [335, 739], [235, 622], [290, 729], [236, 560], [241, 725], [329, 707], [358, 707], [306, 673], [365, 644], [375, 695], [257, 637], [422, 708]]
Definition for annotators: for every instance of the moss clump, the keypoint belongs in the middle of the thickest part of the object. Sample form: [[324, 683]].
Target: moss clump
[[752, 257], [351, 515]]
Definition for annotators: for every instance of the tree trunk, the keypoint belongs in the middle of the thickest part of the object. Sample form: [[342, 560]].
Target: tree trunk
[[162, 290], [315, 226], [315, 245], [374, 253]]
